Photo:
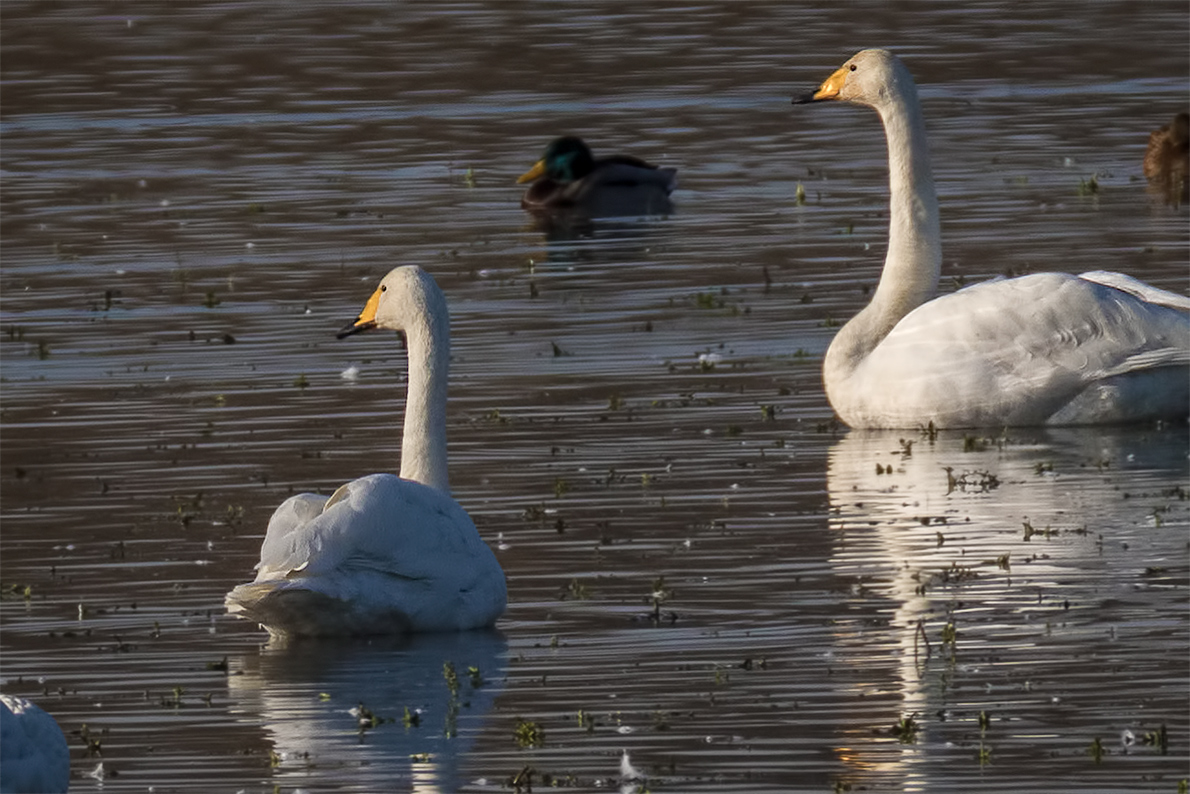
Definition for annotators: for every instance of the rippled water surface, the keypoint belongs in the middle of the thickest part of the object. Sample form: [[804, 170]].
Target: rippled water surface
[[704, 570]]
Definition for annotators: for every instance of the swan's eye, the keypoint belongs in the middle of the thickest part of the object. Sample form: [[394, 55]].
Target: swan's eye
[[384, 288], [853, 67]]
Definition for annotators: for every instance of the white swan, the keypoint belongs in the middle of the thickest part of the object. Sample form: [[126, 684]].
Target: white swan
[[384, 554], [1049, 348], [33, 752]]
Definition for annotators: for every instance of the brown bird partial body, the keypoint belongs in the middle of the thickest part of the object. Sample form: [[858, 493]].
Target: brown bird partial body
[[1167, 159]]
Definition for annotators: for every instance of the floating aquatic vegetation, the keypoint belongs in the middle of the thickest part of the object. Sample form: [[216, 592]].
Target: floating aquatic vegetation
[[528, 733], [907, 729], [24, 591], [970, 481], [1158, 738], [522, 780], [93, 743], [174, 699], [1030, 531], [586, 721], [366, 719], [659, 596]]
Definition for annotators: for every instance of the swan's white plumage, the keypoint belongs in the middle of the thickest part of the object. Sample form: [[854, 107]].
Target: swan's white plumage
[[33, 752], [1049, 348], [384, 554]]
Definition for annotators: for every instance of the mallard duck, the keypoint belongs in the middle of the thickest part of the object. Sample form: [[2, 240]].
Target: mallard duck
[[1167, 159], [568, 176], [385, 554], [1048, 348]]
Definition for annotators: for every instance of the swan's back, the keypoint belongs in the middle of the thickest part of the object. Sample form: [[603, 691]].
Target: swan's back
[[382, 556], [1050, 348], [33, 752]]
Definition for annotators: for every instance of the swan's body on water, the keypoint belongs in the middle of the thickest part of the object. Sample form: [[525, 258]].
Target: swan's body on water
[[33, 752], [1048, 348], [384, 554]]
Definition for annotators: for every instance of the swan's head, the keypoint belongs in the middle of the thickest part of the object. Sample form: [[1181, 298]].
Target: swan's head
[[565, 160], [408, 296], [870, 77]]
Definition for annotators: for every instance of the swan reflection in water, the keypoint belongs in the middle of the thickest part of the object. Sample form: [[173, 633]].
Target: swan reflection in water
[[314, 699], [993, 573]]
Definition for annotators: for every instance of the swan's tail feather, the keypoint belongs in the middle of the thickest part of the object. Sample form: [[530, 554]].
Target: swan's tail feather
[[288, 611], [1139, 289], [1152, 359]]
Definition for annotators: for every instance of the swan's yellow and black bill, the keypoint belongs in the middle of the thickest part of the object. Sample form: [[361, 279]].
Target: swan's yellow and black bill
[[366, 319], [536, 172], [828, 90]]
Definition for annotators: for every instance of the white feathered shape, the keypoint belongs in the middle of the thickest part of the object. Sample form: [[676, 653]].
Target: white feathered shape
[[33, 752], [1048, 348], [384, 554]]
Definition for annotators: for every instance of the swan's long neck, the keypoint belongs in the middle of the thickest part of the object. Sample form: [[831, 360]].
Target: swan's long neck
[[423, 445], [913, 264]]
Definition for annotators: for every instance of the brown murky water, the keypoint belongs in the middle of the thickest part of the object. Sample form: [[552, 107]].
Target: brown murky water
[[196, 196]]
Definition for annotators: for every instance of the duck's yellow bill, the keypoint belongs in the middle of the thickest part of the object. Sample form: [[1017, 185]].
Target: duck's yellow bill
[[536, 172]]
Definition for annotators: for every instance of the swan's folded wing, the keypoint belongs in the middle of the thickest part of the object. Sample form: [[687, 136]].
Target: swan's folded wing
[[1016, 351], [283, 549], [1075, 331]]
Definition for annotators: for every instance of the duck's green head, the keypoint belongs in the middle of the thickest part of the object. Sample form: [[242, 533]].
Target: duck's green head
[[565, 160]]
